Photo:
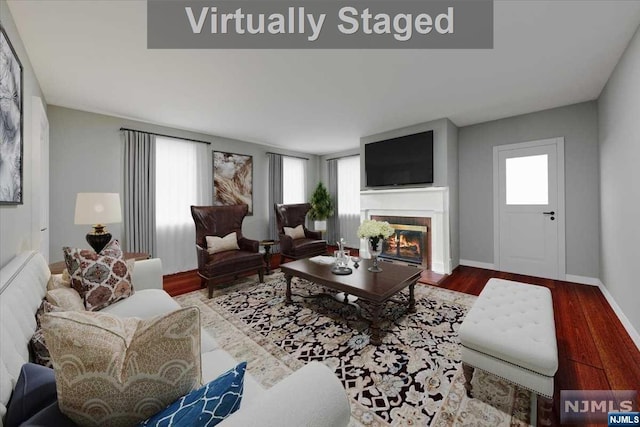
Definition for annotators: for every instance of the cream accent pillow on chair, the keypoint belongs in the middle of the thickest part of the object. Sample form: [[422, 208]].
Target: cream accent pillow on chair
[[217, 244], [295, 233], [119, 371]]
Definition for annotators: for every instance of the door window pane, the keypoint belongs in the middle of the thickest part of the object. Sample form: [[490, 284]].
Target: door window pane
[[528, 180]]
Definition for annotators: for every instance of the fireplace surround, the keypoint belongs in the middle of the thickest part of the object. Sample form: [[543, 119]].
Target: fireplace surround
[[427, 202], [411, 242]]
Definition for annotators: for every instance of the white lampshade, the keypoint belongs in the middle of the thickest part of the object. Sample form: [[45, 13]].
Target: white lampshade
[[98, 208]]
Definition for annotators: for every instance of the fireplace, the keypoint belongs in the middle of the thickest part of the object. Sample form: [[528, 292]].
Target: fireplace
[[411, 242], [430, 203]]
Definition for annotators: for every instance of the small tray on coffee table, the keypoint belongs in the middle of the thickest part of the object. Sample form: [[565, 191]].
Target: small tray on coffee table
[[341, 271]]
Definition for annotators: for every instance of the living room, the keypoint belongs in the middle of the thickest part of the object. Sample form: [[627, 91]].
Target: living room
[[586, 94]]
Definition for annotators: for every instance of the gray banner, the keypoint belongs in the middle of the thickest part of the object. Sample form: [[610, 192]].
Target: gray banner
[[302, 24]]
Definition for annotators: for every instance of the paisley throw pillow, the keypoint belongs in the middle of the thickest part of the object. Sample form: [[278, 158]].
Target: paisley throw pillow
[[100, 279]]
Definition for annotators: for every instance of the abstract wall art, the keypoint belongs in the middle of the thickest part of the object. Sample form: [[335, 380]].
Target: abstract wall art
[[232, 179], [11, 133]]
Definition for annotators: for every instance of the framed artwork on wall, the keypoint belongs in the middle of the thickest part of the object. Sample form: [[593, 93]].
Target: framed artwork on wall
[[11, 128], [232, 179]]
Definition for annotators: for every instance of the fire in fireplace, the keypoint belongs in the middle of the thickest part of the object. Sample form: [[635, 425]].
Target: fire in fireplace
[[407, 244], [410, 242]]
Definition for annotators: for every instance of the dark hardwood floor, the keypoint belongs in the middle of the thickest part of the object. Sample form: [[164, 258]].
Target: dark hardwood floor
[[594, 350]]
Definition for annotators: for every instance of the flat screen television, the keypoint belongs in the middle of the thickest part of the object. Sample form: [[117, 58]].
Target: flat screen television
[[400, 161]]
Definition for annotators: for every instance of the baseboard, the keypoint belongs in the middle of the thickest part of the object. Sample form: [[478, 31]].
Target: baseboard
[[583, 280], [635, 336], [476, 264], [592, 281]]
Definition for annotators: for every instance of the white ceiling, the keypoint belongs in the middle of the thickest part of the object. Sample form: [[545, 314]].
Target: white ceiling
[[91, 55]]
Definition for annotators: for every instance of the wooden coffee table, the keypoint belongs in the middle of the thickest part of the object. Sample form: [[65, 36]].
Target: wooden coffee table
[[376, 288]]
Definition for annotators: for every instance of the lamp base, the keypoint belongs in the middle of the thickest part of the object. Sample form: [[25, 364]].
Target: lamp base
[[98, 240]]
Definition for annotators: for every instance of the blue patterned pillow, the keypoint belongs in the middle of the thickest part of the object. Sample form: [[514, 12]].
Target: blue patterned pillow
[[206, 406]]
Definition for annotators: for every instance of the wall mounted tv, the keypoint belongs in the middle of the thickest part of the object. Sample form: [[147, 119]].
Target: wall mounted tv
[[400, 161]]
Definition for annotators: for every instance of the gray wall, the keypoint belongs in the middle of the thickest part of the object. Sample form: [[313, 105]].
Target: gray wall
[[16, 222], [445, 167], [578, 124], [87, 155], [619, 126]]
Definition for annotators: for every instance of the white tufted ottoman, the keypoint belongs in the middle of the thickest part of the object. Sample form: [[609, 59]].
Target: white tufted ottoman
[[510, 332]]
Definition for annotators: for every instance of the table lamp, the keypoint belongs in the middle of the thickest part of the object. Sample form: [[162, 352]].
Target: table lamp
[[98, 209]]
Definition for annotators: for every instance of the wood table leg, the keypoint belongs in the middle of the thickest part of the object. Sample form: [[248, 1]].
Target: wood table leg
[[288, 299], [376, 339], [267, 259], [467, 370], [545, 406], [412, 298]]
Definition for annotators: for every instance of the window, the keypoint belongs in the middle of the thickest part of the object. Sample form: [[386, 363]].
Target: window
[[178, 181], [527, 180], [294, 180], [349, 199], [349, 186], [183, 178]]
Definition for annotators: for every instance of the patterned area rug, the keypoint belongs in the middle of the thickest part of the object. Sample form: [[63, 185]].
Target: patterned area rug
[[413, 378]]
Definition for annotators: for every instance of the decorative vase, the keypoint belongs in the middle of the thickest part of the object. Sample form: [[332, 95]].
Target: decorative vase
[[375, 249], [319, 225]]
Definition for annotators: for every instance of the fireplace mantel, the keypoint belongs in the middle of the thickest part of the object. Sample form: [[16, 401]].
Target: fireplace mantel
[[429, 202]]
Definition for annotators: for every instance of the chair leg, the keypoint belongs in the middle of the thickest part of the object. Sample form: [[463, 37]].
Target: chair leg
[[203, 282], [467, 370], [261, 275], [210, 286]]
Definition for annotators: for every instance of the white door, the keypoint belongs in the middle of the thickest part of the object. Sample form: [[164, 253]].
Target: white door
[[40, 178], [529, 208]]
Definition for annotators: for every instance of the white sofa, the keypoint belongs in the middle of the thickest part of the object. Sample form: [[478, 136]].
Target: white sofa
[[311, 396]]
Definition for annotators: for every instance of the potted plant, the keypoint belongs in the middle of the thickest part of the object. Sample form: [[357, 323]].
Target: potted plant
[[321, 207]]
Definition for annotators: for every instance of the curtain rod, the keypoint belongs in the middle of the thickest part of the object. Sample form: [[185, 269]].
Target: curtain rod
[[342, 157], [167, 136], [287, 155]]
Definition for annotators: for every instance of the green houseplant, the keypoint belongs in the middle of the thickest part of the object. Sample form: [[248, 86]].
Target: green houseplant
[[321, 207]]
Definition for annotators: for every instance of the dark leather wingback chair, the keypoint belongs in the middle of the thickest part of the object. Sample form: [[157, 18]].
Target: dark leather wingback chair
[[220, 221], [292, 216]]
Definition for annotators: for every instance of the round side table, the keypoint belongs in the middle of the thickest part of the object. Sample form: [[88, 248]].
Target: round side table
[[267, 245]]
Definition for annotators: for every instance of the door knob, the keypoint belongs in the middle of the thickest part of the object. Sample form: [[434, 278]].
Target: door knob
[[549, 213]]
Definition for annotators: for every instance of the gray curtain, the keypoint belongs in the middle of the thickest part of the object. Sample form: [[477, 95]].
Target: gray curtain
[[140, 192], [275, 193], [333, 223]]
